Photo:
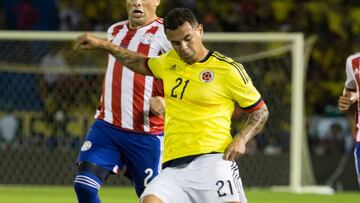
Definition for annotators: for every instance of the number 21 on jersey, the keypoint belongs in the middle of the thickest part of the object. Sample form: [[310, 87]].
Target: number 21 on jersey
[[179, 89]]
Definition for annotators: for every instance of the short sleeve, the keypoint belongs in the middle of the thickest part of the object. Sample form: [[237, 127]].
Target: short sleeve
[[114, 30], [165, 45], [350, 78], [242, 90], [109, 33], [156, 65]]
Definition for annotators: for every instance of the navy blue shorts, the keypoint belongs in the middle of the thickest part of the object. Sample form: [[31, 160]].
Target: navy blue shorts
[[113, 148], [357, 161]]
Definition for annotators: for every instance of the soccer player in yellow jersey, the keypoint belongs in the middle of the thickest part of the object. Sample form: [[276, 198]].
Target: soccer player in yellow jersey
[[201, 88]]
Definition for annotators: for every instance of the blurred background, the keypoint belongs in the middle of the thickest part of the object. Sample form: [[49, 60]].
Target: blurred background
[[49, 93]]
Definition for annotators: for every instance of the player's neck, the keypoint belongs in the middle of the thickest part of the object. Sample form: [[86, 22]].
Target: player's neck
[[203, 54], [133, 24], [200, 56]]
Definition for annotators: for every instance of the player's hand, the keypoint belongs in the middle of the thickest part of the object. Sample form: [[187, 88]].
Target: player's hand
[[87, 41], [157, 105], [235, 149], [345, 101]]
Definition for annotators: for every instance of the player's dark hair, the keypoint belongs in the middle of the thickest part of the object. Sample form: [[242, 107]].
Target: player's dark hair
[[177, 17]]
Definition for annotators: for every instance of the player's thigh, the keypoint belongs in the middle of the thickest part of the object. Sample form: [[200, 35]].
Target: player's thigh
[[99, 149], [212, 179], [357, 156], [357, 160], [167, 188], [142, 155]]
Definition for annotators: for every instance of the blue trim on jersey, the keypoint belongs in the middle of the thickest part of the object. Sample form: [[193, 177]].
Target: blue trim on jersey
[[112, 148]]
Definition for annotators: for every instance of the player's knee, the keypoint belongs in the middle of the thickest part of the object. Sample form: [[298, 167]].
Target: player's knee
[[88, 181], [94, 171], [150, 199], [86, 188]]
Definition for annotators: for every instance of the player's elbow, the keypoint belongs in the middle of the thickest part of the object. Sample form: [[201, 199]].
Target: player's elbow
[[263, 113], [266, 113], [137, 64]]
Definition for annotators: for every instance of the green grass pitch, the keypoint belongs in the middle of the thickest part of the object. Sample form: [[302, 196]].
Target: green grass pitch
[[52, 194]]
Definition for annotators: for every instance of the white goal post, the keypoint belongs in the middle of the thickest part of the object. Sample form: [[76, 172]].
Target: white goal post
[[296, 41]]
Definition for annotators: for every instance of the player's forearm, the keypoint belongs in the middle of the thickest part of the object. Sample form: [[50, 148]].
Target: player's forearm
[[254, 124], [132, 60]]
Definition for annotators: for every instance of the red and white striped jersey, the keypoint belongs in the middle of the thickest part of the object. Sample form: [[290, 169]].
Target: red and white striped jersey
[[353, 82], [125, 94]]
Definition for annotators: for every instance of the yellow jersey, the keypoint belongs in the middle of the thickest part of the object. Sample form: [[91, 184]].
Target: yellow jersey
[[200, 101]]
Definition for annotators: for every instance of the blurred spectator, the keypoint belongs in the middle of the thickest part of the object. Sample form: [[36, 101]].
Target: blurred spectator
[[8, 128], [336, 23], [52, 85], [328, 132], [248, 15], [53, 65], [191, 4], [281, 13], [334, 141], [211, 22], [353, 21], [26, 15], [232, 19], [70, 18], [272, 148]]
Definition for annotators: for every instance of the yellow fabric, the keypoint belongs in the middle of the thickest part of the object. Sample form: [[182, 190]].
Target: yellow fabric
[[198, 113]]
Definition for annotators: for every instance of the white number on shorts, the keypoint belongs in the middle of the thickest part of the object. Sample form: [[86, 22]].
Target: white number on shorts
[[149, 173], [221, 184]]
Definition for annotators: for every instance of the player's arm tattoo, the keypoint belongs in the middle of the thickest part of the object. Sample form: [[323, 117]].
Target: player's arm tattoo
[[133, 60], [254, 123]]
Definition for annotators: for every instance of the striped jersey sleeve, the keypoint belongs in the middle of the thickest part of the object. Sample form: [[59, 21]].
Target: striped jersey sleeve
[[350, 76]]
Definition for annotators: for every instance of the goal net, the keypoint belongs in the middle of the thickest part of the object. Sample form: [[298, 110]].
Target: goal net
[[53, 92]]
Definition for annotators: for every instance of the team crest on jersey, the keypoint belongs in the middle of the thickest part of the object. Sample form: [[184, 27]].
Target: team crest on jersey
[[147, 38], [207, 75], [86, 146]]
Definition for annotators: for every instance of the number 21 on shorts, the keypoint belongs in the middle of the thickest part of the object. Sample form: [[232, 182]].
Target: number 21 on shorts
[[224, 188]]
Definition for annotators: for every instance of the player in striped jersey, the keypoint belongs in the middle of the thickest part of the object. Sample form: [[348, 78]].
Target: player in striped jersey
[[127, 131], [201, 88], [350, 96]]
